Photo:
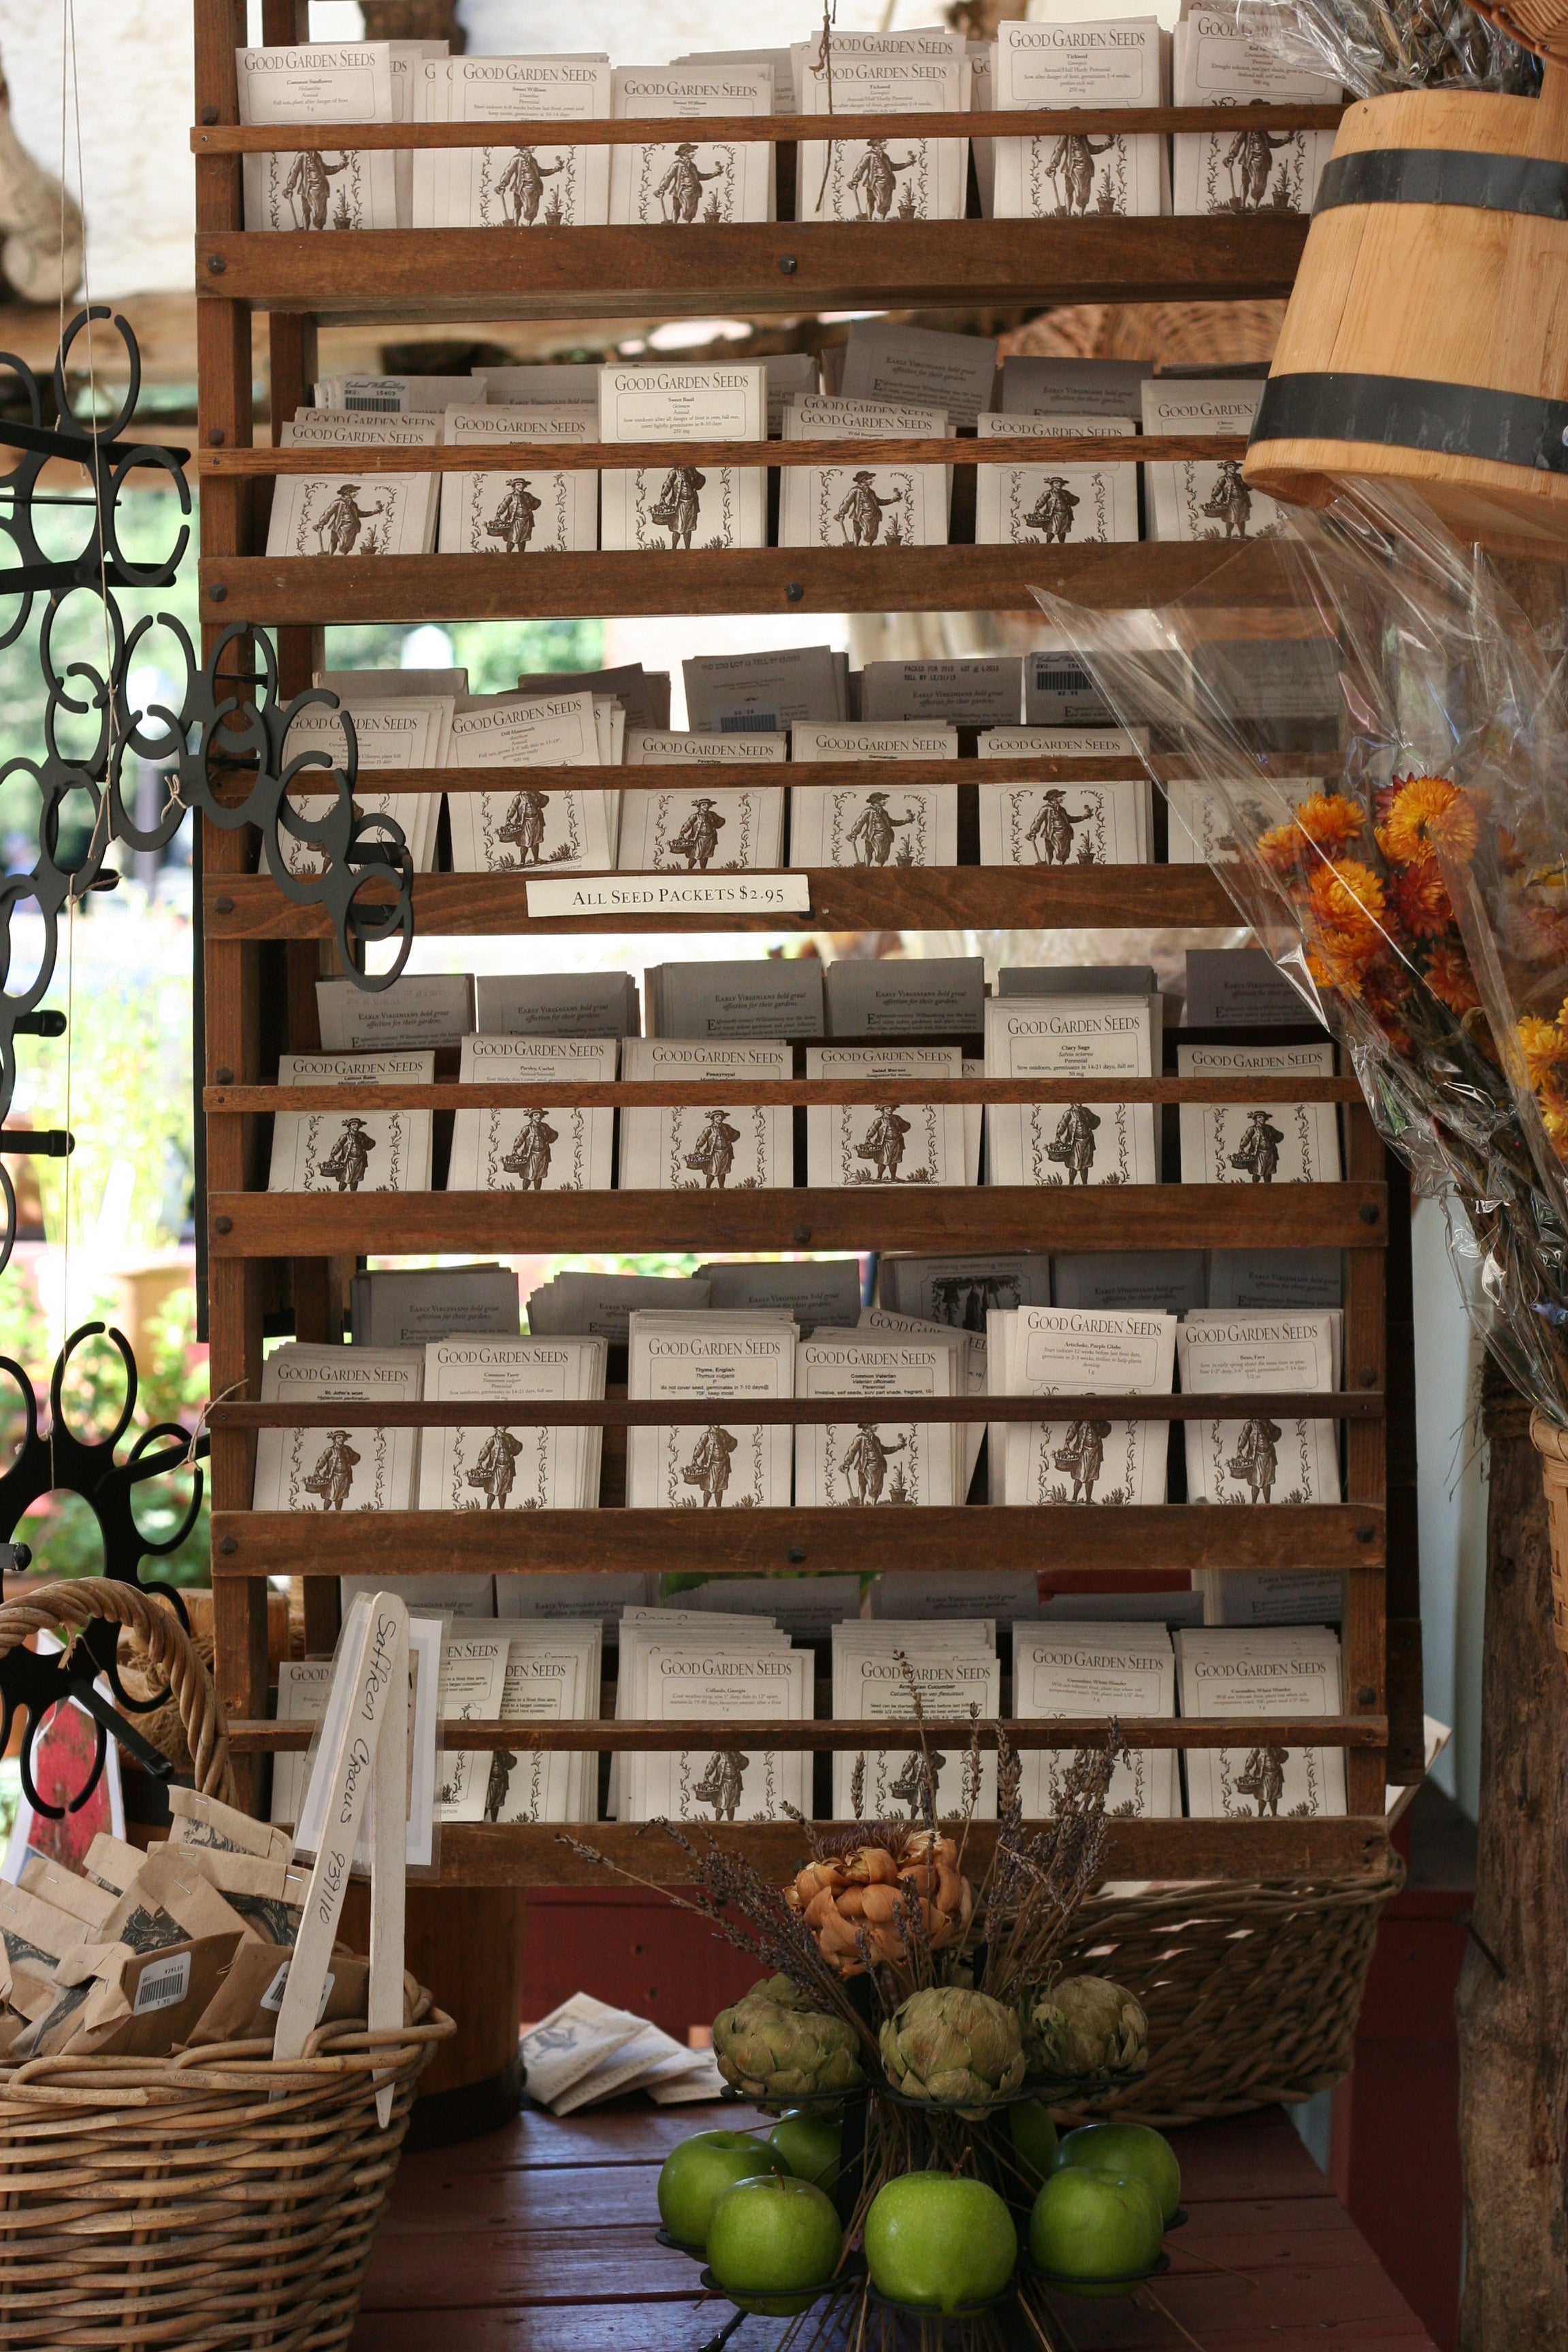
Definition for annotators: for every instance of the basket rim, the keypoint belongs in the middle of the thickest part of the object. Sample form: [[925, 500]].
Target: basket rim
[[374, 2057]]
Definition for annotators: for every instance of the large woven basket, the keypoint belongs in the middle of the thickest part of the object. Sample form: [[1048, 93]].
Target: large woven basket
[[1252, 1990], [213, 2199]]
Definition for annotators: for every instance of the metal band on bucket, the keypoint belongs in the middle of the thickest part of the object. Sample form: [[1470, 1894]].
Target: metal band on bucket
[[1446, 176], [1455, 420]]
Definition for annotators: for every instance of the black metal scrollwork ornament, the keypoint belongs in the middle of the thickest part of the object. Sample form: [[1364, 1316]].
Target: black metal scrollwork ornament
[[63, 1461], [220, 737]]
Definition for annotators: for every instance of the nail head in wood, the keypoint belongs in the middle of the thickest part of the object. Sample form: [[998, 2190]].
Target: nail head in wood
[[1366, 1534], [224, 1077], [224, 906], [209, 114], [216, 265], [802, 1235], [795, 1556], [788, 265], [794, 592], [215, 437], [228, 1547], [1369, 1212], [1365, 1695], [220, 595], [223, 1224]]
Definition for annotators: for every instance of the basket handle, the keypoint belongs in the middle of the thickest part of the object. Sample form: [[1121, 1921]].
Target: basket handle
[[80, 1601]]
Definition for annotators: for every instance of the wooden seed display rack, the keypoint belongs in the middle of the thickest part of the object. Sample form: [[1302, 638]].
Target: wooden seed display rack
[[275, 1261]]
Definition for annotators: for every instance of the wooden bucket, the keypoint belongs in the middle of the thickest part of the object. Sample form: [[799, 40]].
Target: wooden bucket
[[1426, 343], [1552, 1444]]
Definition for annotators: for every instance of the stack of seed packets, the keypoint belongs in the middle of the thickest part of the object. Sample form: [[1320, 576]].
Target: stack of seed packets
[[755, 999], [508, 513], [401, 1308], [695, 183], [517, 185], [1078, 1037], [1277, 1143], [1050, 505], [354, 511], [814, 1291], [899, 177], [1260, 1459], [350, 1152], [912, 824], [1204, 498], [710, 1630], [882, 1455], [1085, 823], [557, 1005], [720, 1143], [953, 1665], [683, 507], [584, 2053], [713, 1672], [395, 396], [511, 832], [1291, 1671], [332, 187], [863, 506], [889, 1143], [563, 1149], [400, 731], [1043, 66], [1039, 1351], [601, 1304], [1235, 169], [961, 1291], [693, 832], [969, 1377], [1116, 1669], [338, 1469], [729, 1463], [473, 1672], [422, 1008], [509, 1465], [548, 1671]]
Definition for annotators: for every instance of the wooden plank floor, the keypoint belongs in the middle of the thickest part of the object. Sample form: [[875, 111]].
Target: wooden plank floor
[[539, 2238]]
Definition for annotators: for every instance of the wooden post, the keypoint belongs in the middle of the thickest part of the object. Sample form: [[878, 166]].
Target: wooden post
[[1513, 2000]]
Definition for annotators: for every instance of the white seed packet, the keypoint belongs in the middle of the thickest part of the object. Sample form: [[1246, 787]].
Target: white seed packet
[[1050, 505], [332, 187], [507, 513], [695, 183]]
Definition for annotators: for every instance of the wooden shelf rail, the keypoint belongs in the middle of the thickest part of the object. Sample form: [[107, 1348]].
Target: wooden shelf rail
[[250, 1545], [671, 1413], [623, 457], [633, 1094], [822, 1737]]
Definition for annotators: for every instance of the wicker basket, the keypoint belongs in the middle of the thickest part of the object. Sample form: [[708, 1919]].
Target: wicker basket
[[1252, 1990], [214, 2198]]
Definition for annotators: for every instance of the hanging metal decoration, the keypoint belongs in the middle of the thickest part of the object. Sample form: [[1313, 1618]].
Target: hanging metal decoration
[[222, 750], [62, 1461]]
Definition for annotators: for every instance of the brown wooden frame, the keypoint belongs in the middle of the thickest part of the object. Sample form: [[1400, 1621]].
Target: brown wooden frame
[[262, 955]]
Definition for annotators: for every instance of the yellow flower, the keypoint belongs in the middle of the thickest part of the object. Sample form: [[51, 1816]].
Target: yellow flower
[[1542, 1044], [1554, 1118], [1430, 817], [1348, 896]]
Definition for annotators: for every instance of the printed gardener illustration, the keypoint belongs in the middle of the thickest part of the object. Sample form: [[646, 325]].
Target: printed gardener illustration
[[513, 521], [338, 529], [874, 183], [1052, 830], [495, 1471], [529, 1158], [720, 1785], [520, 188], [859, 514], [707, 1468], [333, 1475], [1070, 169], [309, 186], [1082, 1456], [1258, 1156], [349, 1160], [714, 1155], [1254, 1462], [1073, 1144], [679, 193], [866, 1461], [699, 837], [679, 504], [875, 831]]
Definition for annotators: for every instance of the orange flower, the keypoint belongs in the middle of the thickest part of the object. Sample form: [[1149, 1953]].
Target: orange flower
[[1418, 897], [1542, 1044], [1554, 1118], [1535, 929], [1450, 978], [1330, 821], [1281, 849], [1385, 992], [1429, 816], [1347, 897]]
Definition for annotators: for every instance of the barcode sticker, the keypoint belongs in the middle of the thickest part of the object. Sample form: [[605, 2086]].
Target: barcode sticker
[[272, 1997], [164, 1984], [749, 722], [377, 404]]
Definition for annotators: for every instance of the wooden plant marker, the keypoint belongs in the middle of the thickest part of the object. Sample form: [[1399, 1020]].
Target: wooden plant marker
[[366, 1749]]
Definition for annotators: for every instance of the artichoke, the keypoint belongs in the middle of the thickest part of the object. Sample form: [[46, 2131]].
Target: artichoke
[[774, 2045], [1084, 2025], [959, 2049], [844, 1894]]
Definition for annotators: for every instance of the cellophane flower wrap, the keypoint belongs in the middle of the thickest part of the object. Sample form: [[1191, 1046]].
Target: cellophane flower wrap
[[1372, 48], [1413, 881]]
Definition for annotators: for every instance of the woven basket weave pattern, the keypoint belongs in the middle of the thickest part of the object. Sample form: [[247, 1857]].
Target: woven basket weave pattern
[[1252, 1992], [220, 2199]]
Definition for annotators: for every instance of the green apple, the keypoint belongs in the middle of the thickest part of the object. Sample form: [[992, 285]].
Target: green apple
[[696, 2174], [1034, 2141], [810, 2144], [1132, 2149], [933, 2239], [1093, 2226], [773, 2244]]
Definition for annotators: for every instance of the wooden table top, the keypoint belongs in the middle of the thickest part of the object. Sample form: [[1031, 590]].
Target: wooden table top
[[539, 2238]]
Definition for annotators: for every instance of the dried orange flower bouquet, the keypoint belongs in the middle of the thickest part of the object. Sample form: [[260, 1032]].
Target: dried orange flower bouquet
[[1414, 878]]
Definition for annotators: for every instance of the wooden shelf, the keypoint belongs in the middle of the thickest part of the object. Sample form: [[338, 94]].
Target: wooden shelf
[[750, 269], [620, 1412], [843, 898], [534, 1855], [771, 1093], [901, 1217], [824, 1737], [987, 1537], [346, 591]]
